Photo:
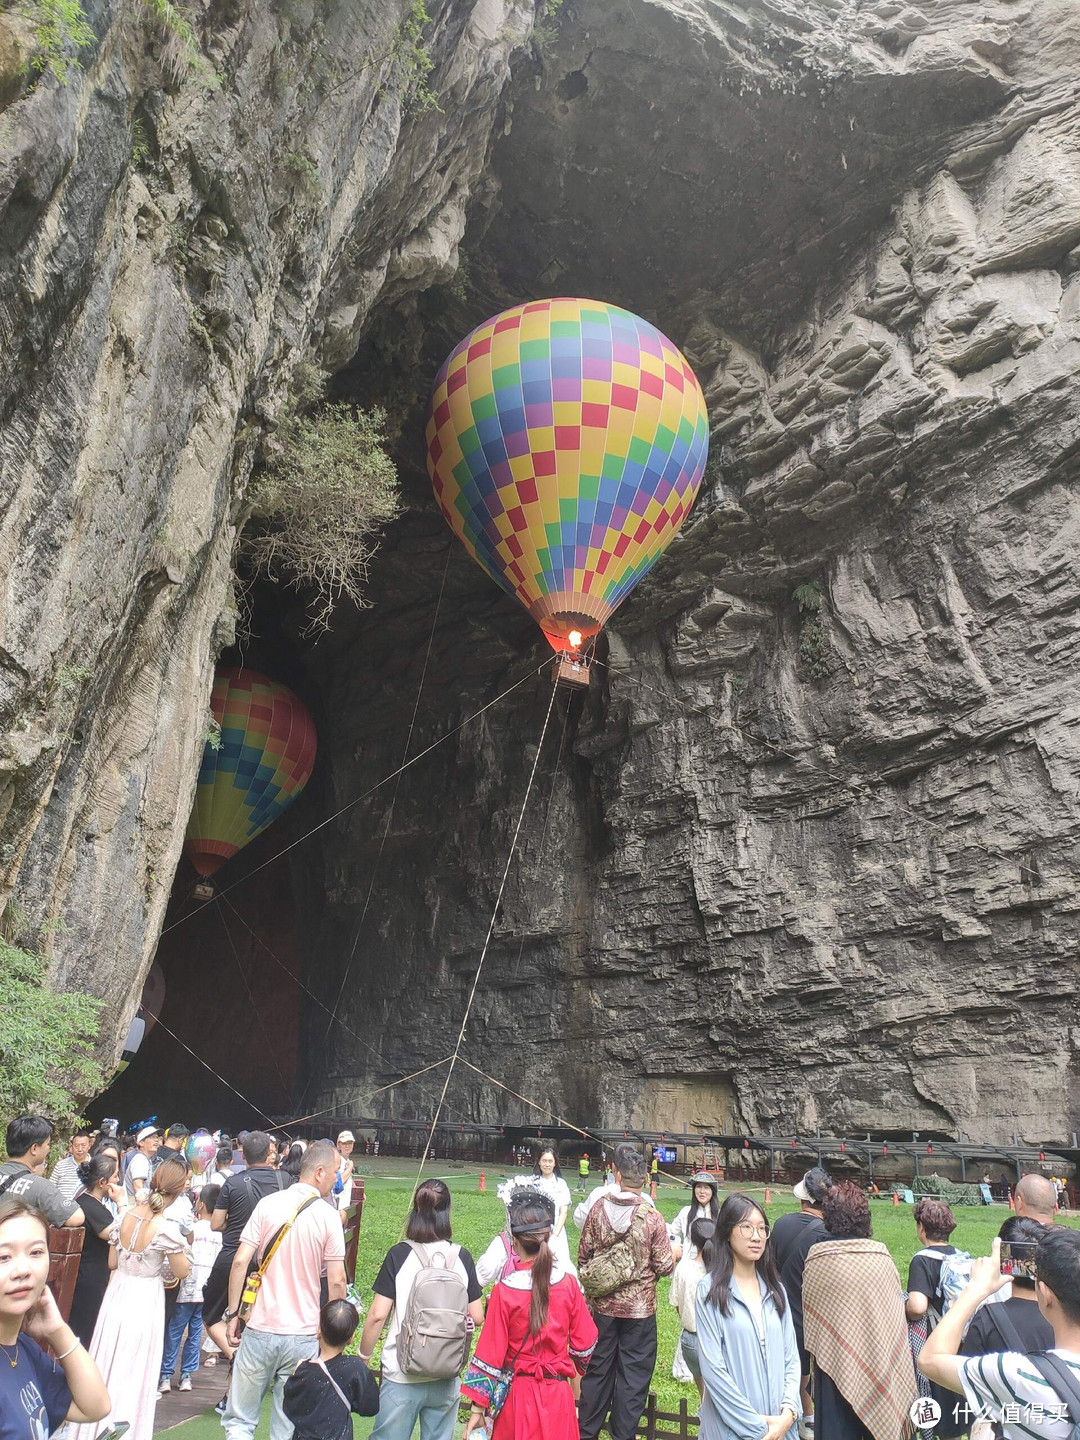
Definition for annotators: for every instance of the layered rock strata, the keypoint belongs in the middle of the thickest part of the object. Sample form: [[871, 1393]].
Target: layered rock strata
[[809, 856], [179, 227]]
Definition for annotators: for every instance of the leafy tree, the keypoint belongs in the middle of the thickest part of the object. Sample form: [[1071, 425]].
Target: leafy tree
[[47, 1063]]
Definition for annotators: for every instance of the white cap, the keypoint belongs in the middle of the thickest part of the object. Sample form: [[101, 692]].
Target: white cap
[[146, 1132], [346, 1135]]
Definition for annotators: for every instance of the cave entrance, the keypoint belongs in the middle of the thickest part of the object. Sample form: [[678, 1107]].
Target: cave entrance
[[226, 1053]]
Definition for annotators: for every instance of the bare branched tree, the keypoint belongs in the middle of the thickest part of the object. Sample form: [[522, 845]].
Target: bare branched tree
[[320, 504]]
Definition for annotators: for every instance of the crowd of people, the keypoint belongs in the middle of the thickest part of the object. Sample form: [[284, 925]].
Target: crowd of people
[[798, 1329]]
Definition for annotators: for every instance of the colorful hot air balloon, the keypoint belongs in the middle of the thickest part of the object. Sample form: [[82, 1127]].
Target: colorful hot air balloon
[[566, 444], [266, 753]]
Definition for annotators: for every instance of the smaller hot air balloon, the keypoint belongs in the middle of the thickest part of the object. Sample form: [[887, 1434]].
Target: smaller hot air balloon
[[261, 762], [200, 1150], [136, 1034], [146, 1017]]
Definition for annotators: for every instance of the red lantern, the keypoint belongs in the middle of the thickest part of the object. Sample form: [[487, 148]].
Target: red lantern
[[793, 1144], [884, 1149], [929, 1149], [746, 1144], [624, 1136], [1042, 1154]]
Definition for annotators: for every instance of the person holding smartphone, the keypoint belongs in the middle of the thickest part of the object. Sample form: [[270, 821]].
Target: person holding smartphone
[[1015, 1323], [38, 1393]]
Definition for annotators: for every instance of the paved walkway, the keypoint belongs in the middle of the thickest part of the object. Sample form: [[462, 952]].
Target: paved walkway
[[207, 1388]]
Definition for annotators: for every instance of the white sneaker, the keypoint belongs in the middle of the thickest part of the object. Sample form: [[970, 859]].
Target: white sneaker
[[185, 1382], [165, 1385]]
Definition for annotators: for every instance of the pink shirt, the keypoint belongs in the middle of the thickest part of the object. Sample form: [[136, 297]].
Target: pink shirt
[[288, 1300]]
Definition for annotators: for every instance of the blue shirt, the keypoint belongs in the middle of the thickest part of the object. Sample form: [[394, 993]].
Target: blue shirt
[[743, 1381], [34, 1396]]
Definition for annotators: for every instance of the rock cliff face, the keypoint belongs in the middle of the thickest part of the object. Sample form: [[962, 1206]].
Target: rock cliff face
[[807, 851], [807, 854], [174, 238]]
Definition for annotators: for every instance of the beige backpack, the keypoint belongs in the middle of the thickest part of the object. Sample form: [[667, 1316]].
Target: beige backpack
[[621, 1259]]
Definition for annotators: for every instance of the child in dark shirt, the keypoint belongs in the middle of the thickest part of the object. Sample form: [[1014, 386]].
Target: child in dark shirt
[[322, 1395]]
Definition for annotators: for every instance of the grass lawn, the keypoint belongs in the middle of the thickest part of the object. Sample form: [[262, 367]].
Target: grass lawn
[[478, 1218]]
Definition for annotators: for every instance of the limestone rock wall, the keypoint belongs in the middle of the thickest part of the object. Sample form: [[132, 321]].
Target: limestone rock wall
[[807, 852], [792, 865], [173, 240]]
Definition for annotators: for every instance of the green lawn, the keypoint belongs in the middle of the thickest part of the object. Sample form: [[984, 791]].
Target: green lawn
[[478, 1218]]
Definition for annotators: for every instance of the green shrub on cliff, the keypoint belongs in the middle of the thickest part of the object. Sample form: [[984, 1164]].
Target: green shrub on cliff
[[318, 507], [60, 30], [47, 1036]]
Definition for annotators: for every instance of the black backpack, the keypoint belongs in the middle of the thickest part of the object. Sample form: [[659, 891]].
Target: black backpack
[[1061, 1379]]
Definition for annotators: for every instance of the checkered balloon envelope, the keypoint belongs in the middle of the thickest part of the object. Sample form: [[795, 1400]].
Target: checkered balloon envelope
[[566, 442]]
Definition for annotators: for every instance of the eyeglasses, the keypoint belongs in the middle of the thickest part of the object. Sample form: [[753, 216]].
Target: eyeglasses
[[748, 1231]]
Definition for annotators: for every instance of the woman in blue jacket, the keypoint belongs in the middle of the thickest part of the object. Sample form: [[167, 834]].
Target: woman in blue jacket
[[746, 1341]]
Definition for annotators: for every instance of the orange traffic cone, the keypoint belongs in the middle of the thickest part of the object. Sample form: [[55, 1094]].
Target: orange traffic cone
[[1011, 1205], [483, 1181], [895, 1198], [768, 1195]]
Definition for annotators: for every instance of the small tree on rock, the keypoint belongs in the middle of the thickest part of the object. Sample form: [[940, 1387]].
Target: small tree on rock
[[319, 505]]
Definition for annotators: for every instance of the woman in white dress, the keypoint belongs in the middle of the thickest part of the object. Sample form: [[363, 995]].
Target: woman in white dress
[[130, 1330], [703, 1206], [547, 1177]]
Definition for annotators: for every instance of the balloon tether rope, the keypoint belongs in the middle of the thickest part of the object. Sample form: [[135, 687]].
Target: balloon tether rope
[[487, 942]]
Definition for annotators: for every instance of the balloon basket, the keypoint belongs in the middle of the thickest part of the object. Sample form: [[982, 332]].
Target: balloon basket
[[204, 890], [571, 670]]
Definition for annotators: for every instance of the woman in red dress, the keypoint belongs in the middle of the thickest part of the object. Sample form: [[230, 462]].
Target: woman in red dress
[[537, 1338]]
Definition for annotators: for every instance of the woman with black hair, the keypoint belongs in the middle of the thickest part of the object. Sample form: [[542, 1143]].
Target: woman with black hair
[[548, 1179], [746, 1340], [536, 1340], [404, 1399], [99, 1184], [37, 1392], [703, 1205], [689, 1273], [292, 1159]]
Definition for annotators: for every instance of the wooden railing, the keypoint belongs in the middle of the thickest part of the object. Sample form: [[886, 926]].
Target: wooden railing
[[353, 1216], [657, 1424]]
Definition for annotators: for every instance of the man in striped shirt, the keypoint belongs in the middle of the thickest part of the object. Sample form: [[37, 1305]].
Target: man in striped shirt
[[1008, 1387]]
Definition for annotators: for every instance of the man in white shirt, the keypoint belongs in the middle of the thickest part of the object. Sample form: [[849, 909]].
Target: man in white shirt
[[141, 1165], [283, 1326], [345, 1142], [583, 1207], [65, 1175], [1009, 1387]]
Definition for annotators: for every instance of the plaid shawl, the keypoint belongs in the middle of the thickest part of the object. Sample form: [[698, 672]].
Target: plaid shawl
[[853, 1315]]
